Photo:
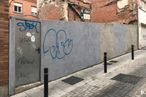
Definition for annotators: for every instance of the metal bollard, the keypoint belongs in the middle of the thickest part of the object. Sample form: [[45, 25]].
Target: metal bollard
[[132, 52], [45, 82], [105, 62]]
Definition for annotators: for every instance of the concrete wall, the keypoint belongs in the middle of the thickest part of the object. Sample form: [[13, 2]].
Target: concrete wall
[[142, 33], [4, 10], [67, 47], [70, 46]]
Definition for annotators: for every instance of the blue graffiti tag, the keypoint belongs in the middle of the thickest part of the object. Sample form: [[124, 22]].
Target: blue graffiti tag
[[60, 48], [27, 25]]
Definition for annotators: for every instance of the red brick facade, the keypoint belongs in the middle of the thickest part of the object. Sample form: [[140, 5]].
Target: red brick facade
[[102, 11], [52, 11], [49, 12], [107, 13], [4, 9], [26, 8]]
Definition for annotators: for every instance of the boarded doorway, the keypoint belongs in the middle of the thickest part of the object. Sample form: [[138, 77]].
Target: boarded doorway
[[24, 52], [27, 51]]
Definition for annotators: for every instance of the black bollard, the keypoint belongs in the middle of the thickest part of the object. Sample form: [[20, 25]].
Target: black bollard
[[132, 52], [45, 82], [105, 62]]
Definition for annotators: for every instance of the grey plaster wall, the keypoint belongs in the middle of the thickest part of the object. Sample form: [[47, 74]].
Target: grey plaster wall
[[24, 52], [12, 56], [27, 54], [67, 47]]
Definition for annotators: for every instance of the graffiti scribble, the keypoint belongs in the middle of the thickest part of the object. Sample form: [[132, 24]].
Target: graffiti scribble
[[27, 25], [60, 47]]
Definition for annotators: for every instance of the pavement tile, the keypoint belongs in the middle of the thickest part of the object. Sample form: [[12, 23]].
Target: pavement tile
[[21, 95], [83, 91], [35, 92], [99, 84]]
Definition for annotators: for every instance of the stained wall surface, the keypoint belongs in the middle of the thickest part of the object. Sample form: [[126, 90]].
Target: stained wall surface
[[67, 47]]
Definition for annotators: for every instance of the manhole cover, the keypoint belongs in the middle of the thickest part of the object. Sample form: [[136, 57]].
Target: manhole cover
[[72, 80], [127, 78]]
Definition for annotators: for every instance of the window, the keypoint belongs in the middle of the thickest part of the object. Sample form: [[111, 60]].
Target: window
[[85, 14], [33, 11], [18, 7]]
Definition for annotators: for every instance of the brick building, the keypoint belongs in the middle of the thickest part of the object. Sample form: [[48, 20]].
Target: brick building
[[105, 11], [23, 8], [4, 13], [73, 10], [101, 11]]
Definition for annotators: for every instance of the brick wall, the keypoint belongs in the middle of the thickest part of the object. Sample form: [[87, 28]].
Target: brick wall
[[103, 13], [26, 8], [4, 48], [72, 16], [100, 12], [52, 11]]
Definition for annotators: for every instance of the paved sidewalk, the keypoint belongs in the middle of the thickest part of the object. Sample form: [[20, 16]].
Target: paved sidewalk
[[130, 82]]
